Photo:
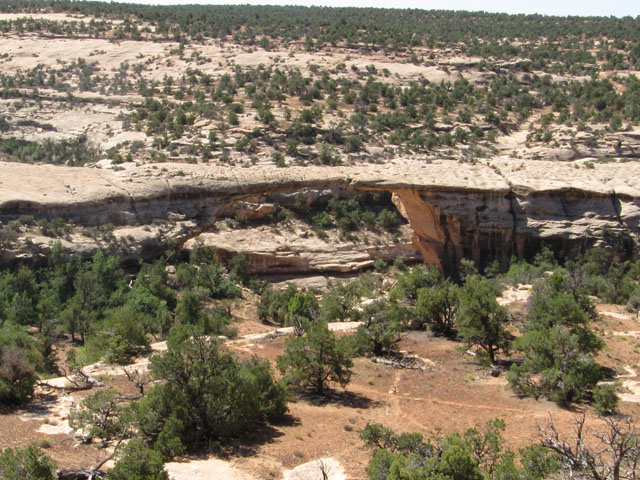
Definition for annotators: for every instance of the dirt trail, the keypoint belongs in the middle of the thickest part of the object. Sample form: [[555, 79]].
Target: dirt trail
[[394, 398], [397, 403]]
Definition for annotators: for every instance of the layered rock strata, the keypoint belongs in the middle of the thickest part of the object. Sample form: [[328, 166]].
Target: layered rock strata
[[483, 211]]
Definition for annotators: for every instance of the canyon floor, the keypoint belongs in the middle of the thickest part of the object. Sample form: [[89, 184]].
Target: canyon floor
[[451, 392]]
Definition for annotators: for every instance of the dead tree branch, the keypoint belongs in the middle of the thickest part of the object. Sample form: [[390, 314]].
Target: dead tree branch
[[95, 472], [610, 453], [324, 469], [405, 361], [79, 380], [139, 380]]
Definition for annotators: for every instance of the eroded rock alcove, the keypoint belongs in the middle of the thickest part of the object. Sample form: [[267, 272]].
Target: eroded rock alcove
[[454, 211]]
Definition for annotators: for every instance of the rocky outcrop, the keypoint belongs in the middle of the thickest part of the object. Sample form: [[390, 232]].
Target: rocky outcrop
[[289, 252], [484, 211], [450, 225]]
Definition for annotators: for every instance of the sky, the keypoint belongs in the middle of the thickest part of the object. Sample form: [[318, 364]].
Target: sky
[[618, 8]]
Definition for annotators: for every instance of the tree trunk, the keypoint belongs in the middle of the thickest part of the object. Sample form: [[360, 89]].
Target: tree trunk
[[318, 386], [492, 355]]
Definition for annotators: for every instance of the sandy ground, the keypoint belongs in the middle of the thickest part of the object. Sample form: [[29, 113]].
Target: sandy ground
[[313, 470], [622, 331], [223, 469], [451, 393], [205, 469], [630, 383], [26, 52]]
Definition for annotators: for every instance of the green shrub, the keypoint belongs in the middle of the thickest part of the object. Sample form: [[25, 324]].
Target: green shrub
[[273, 306], [481, 321], [292, 147], [315, 359], [411, 281], [207, 395], [322, 220], [19, 361], [605, 399], [379, 265], [136, 462], [27, 463], [54, 228], [383, 322], [99, 416], [475, 455], [388, 219], [353, 144], [557, 346], [245, 144], [122, 335], [436, 307], [278, 159], [302, 310]]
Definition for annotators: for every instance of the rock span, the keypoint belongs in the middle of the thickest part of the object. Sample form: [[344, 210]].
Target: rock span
[[483, 211]]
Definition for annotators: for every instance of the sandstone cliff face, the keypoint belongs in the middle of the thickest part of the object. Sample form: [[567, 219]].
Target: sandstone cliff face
[[273, 254], [483, 212], [451, 225]]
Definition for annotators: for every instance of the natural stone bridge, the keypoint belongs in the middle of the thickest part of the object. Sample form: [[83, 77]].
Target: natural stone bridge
[[486, 211]]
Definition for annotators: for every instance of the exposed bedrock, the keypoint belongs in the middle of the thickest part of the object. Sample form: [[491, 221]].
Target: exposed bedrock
[[484, 212]]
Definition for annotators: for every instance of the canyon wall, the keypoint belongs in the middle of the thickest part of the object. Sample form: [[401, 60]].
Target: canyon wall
[[485, 212]]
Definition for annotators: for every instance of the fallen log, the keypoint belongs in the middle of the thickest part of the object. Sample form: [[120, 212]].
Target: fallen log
[[70, 388], [402, 362], [83, 381], [81, 474]]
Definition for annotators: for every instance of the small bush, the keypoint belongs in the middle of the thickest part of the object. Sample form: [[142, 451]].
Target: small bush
[[379, 265], [55, 228], [18, 360], [44, 443], [278, 159], [353, 144], [388, 219], [26, 464], [605, 399], [135, 462]]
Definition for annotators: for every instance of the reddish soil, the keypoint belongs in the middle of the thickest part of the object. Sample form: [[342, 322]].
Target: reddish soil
[[452, 394]]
